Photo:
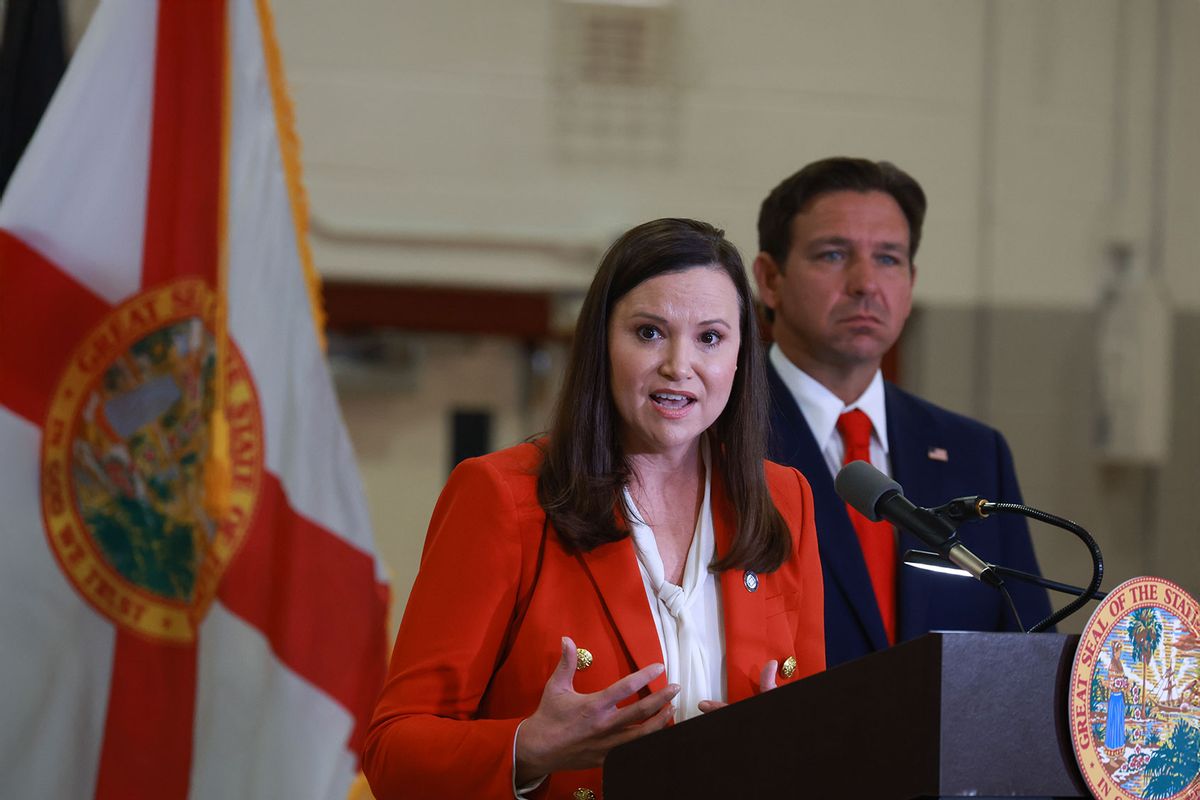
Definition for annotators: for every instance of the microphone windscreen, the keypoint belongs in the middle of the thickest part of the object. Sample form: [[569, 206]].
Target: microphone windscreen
[[862, 486]]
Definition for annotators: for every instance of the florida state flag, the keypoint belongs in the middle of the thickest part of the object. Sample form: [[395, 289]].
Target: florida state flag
[[190, 605]]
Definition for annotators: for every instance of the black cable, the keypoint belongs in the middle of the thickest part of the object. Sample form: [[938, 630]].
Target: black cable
[[1011, 605], [985, 507]]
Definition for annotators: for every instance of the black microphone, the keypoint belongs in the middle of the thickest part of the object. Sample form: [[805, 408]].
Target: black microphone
[[876, 496]]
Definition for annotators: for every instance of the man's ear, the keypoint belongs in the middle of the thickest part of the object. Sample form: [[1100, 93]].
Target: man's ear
[[766, 277]]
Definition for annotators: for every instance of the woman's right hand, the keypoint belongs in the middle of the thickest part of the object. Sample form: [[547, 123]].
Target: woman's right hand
[[575, 731]]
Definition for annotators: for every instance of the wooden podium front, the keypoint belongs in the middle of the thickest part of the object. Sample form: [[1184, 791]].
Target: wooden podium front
[[945, 715]]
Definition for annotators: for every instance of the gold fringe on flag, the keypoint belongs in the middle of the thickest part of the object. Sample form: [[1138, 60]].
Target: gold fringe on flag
[[289, 146], [218, 467]]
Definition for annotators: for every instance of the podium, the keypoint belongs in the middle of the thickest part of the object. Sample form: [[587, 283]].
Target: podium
[[945, 715]]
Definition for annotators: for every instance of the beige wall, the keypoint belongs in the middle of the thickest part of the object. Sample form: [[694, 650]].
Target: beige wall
[[1032, 123], [398, 413], [1051, 136]]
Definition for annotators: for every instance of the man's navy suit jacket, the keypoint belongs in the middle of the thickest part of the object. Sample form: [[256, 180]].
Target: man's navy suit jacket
[[977, 462]]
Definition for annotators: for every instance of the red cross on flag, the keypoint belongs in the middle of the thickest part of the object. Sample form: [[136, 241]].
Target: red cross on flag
[[190, 604]]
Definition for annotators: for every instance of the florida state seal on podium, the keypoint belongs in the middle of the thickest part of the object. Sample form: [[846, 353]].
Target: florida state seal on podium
[[1135, 693]]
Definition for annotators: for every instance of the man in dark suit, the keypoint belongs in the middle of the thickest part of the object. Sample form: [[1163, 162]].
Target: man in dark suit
[[835, 274]]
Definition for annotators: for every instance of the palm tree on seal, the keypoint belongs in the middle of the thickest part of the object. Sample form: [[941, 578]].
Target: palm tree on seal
[[1172, 767], [1145, 634]]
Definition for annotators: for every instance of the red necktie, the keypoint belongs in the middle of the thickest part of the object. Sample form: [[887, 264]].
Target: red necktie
[[877, 539]]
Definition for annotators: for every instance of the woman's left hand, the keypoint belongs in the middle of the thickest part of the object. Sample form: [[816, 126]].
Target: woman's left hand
[[766, 682]]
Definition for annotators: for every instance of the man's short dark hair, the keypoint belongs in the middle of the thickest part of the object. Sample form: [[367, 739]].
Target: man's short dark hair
[[837, 174]]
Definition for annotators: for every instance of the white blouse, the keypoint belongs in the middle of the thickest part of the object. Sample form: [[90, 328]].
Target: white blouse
[[688, 617]]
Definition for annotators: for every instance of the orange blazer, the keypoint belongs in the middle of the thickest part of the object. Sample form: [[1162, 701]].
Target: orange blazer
[[468, 665]]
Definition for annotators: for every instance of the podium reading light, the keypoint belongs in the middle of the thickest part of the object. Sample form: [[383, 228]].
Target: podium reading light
[[923, 559]]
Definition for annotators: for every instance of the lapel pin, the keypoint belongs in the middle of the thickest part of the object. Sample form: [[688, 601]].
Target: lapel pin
[[750, 578], [938, 454]]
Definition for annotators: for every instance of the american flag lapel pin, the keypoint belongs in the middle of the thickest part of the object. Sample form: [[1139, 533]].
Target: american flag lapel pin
[[938, 454]]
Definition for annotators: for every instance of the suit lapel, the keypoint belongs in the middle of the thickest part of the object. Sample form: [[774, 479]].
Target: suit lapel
[[614, 572], [842, 560], [912, 433]]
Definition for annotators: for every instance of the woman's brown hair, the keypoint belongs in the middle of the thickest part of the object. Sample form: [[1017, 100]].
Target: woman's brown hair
[[584, 469]]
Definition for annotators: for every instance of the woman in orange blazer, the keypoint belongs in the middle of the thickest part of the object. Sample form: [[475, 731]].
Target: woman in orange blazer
[[563, 582]]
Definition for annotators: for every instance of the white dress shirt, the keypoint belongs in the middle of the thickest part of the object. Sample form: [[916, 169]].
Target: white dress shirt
[[821, 409]]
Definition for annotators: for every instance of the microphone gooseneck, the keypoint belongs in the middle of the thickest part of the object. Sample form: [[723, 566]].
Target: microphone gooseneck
[[974, 507], [1093, 588]]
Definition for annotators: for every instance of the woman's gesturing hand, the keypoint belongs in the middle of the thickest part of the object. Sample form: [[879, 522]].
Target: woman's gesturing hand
[[766, 682], [575, 731]]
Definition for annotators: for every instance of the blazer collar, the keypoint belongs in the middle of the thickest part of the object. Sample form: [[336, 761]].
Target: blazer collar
[[613, 570], [744, 608], [915, 434]]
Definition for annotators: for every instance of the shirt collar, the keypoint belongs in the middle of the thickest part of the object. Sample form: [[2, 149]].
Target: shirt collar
[[821, 407]]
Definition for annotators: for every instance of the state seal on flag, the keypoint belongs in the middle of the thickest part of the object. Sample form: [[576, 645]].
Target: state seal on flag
[[123, 455], [1135, 693]]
